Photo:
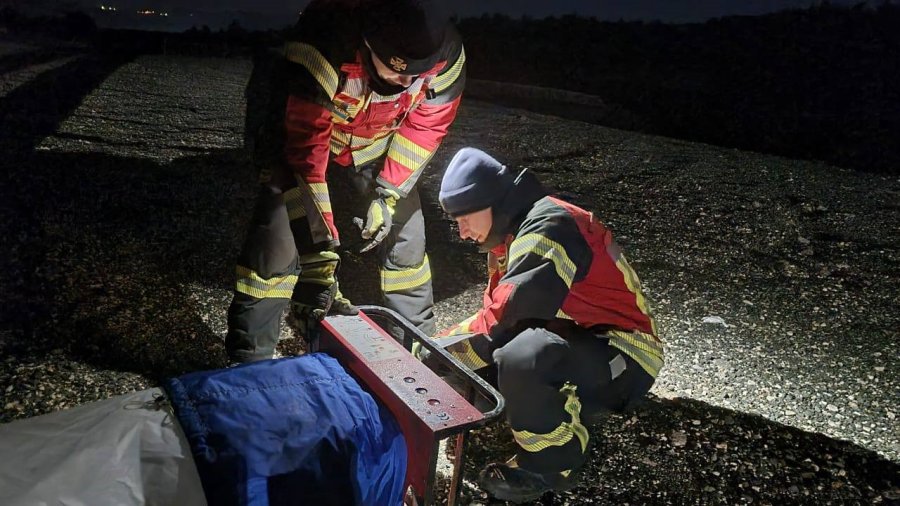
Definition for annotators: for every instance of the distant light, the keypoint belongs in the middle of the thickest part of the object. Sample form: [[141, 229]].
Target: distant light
[[107, 8]]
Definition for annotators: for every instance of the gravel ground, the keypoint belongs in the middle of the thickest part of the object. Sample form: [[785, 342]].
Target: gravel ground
[[775, 281]]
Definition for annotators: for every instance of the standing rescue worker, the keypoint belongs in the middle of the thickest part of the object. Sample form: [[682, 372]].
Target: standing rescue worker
[[563, 319], [366, 89]]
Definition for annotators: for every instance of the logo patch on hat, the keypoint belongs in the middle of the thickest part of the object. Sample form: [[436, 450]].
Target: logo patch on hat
[[398, 63]]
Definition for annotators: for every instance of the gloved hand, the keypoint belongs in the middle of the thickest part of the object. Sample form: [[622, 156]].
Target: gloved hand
[[379, 219], [306, 314]]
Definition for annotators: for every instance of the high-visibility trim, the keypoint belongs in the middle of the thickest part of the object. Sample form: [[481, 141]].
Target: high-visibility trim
[[376, 98], [315, 63], [294, 203], [546, 248], [573, 407], [560, 436], [356, 87], [318, 268], [645, 349], [462, 327], [397, 281], [408, 153], [562, 315], [634, 286], [339, 141], [465, 353], [252, 284], [370, 152], [443, 81], [319, 194]]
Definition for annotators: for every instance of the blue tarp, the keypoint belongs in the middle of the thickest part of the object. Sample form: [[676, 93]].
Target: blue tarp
[[293, 431]]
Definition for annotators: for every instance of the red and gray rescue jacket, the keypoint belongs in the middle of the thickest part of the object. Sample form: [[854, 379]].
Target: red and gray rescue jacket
[[335, 107], [561, 264]]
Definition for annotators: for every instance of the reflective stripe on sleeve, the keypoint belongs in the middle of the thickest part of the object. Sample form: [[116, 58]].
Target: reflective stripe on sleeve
[[372, 151], [466, 353], [315, 63], [319, 193], [444, 80], [545, 248], [408, 153]]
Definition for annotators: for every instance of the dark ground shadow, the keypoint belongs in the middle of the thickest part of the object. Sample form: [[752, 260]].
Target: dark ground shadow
[[106, 257], [114, 259], [709, 455], [16, 61]]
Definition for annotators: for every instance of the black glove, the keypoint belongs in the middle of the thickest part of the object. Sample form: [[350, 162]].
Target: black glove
[[306, 314]]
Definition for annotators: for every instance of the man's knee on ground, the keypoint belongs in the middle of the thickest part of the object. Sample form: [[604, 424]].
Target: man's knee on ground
[[529, 355]]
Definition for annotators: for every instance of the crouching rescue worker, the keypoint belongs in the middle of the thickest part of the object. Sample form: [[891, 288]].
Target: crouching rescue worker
[[366, 89], [563, 319]]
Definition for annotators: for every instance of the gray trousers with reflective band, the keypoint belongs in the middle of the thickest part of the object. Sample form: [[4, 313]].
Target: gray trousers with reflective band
[[401, 252], [271, 250], [537, 363]]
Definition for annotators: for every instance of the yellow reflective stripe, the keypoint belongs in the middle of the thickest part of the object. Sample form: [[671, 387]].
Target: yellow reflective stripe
[[444, 80], [465, 353], [634, 286], [462, 327], [529, 441], [339, 141], [396, 281], [294, 203], [319, 194], [562, 315], [546, 248], [573, 407], [315, 63], [252, 284], [645, 349], [408, 153], [533, 442], [370, 152]]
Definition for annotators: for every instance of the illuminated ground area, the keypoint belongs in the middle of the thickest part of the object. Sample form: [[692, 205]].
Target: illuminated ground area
[[125, 196]]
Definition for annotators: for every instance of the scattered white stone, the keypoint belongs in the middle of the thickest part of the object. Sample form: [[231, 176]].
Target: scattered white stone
[[715, 320]]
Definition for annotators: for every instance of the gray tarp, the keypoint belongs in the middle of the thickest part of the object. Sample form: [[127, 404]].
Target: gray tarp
[[120, 451]]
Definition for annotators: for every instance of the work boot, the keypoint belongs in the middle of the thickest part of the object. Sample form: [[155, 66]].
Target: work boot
[[509, 482]]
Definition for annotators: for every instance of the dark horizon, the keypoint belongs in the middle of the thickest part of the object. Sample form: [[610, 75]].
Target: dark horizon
[[177, 15]]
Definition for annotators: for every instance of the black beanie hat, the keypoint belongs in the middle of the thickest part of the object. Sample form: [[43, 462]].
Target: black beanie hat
[[473, 181], [406, 35]]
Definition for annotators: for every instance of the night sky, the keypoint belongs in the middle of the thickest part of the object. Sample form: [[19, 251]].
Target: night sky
[[665, 10], [263, 12]]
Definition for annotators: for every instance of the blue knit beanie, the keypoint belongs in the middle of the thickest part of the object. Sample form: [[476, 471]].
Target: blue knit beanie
[[473, 181]]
